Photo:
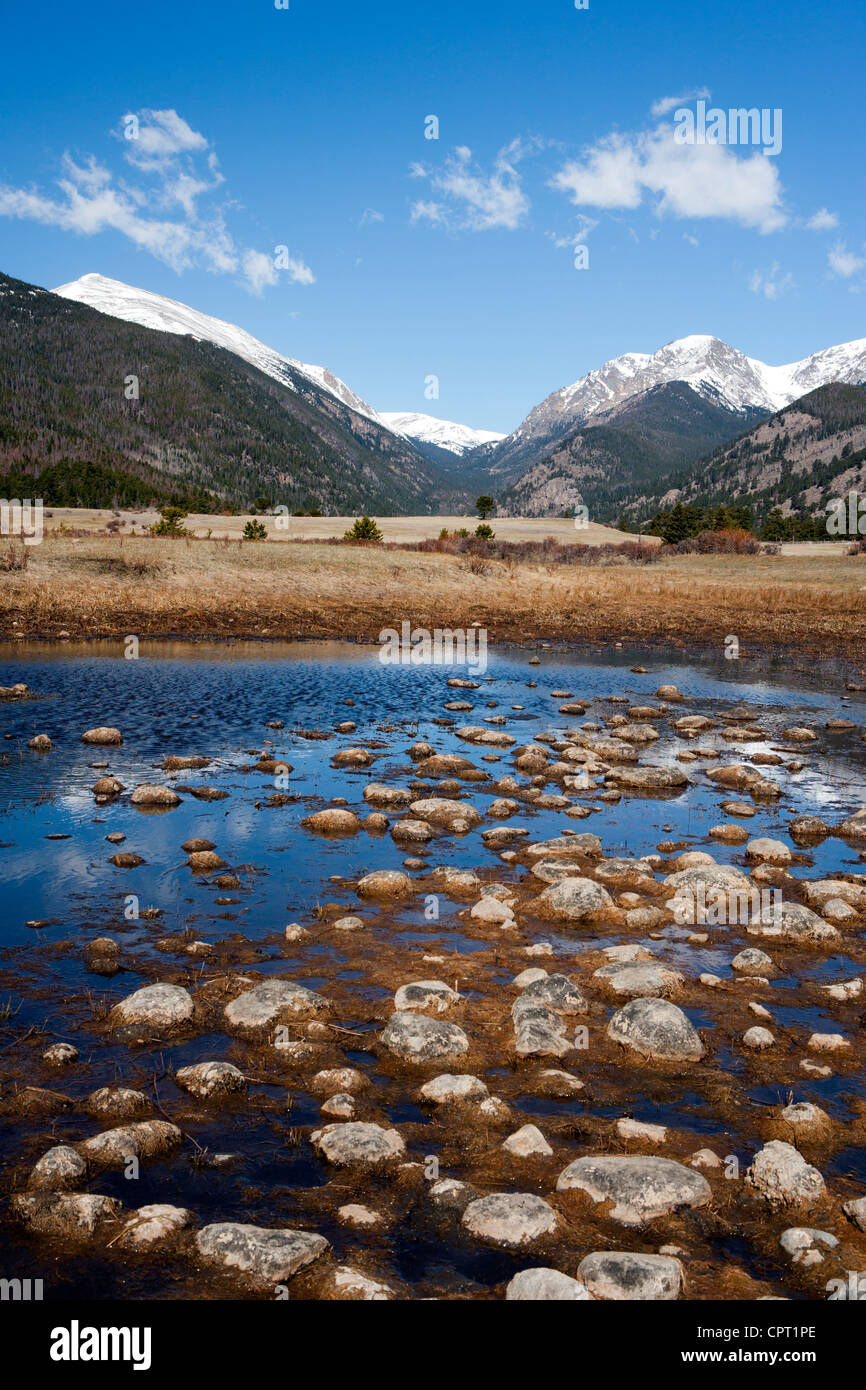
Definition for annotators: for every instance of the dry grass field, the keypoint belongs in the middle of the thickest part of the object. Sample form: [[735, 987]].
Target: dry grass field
[[103, 586], [406, 529]]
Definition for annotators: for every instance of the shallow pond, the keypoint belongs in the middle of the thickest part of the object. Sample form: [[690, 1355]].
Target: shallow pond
[[217, 701]]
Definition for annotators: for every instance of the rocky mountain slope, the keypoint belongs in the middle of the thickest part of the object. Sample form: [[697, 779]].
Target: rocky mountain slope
[[206, 418], [713, 371], [796, 460]]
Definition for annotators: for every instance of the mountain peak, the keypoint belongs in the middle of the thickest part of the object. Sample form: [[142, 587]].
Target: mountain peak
[[445, 434]]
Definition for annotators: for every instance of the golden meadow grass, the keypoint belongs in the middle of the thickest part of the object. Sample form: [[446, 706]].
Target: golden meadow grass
[[100, 586]]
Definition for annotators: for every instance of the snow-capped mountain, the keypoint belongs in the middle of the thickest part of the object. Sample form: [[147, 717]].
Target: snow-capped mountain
[[444, 434], [170, 316], [713, 369]]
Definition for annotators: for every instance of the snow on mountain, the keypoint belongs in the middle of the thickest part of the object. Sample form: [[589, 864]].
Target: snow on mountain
[[170, 316], [711, 367], [445, 434]]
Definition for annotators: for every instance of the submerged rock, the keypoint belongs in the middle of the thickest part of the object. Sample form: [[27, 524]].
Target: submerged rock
[[103, 734], [72, 1216]]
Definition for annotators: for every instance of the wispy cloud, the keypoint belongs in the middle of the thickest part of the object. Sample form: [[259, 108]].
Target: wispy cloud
[[822, 221], [772, 283], [158, 209], [471, 199], [844, 263], [666, 104], [371, 215]]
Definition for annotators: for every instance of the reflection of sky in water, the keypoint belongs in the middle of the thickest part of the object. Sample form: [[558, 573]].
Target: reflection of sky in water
[[216, 700]]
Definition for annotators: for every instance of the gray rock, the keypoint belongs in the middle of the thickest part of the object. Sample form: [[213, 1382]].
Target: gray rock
[[780, 1173], [622, 1274], [117, 1103], [657, 1029], [161, 1006], [641, 1188], [60, 1167], [639, 979], [153, 1225], [538, 1031], [447, 1089], [356, 1144], [855, 1210], [267, 1254], [147, 1139], [574, 899], [271, 1001], [151, 794], [648, 779], [527, 1142], [456, 816], [384, 884], [512, 1219], [425, 994], [786, 921], [72, 1216], [751, 961], [556, 992], [416, 1038], [211, 1078], [546, 1285], [804, 1244]]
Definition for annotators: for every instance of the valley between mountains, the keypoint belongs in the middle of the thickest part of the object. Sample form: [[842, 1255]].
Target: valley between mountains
[[111, 396]]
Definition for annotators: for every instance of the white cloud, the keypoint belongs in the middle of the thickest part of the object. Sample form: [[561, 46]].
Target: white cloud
[[159, 215], [666, 104], [772, 284], [371, 215], [844, 263], [471, 199], [428, 211], [687, 180], [159, 137], [822, 221]]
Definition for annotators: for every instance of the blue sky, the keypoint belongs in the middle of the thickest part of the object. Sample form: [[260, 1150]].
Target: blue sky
[[410, 257]]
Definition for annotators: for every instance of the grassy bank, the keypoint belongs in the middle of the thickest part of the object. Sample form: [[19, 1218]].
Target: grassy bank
[[111, 587]]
